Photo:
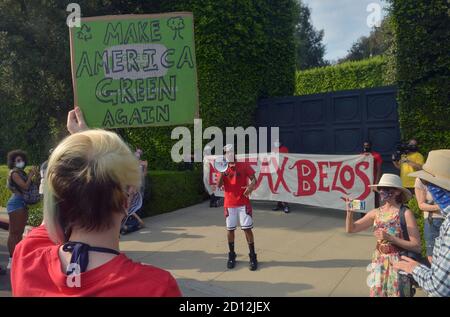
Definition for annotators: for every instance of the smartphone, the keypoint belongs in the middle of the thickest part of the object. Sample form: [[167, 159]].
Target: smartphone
[[357, 204]]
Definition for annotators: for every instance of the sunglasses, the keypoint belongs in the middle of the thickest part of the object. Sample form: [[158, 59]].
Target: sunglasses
[[386, 189]]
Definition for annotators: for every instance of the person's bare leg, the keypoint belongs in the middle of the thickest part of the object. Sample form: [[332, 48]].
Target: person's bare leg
[[230, 235], [249, 236], [430, 258], [17, 222]]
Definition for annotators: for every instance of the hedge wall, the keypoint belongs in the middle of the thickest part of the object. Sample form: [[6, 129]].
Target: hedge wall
[[165, 191], [245, 50], [350, 75], [422, 33]]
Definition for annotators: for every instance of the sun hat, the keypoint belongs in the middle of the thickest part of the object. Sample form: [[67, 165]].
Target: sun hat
[[393, 181], [436, 169]]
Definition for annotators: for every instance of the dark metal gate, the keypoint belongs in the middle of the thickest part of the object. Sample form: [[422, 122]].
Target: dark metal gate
[[337, 122]]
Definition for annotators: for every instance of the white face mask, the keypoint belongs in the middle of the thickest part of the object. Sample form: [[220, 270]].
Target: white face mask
[[20, 165], [276, 144], [229, 156]]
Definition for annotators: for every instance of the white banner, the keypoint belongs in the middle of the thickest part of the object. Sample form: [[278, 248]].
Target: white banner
[[309, 179]]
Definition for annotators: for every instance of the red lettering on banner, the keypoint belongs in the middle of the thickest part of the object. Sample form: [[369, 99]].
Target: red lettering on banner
[[322, 176], [305, 178], [336, 177], [364, 178], [265, 172], [280, 173], [348, 184]]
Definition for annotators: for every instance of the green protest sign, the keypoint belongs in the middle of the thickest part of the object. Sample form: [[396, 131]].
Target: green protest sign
[[135, 70]]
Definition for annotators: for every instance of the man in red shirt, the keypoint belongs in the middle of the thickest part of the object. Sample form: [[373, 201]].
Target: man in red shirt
[[377, 162], [237, 203], [279, 148]]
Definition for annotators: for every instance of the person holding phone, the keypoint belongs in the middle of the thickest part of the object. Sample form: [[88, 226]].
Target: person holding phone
[[383, 280]]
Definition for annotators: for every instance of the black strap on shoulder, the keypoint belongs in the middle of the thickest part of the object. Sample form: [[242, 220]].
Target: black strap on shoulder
[[403, 223], [12, 183], [80, 254]]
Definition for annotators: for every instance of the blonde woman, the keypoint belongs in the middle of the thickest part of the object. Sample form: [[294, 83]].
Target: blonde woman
[[75, 252], [383, 280]]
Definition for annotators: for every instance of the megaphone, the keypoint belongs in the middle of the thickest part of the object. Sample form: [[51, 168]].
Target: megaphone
[[221, 164]]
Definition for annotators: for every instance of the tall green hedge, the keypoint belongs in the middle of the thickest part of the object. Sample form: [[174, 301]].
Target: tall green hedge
[[350, 75], [422, 34], [245, 51]]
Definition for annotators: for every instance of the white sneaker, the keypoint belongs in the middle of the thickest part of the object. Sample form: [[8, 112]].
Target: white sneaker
[[8, 267]]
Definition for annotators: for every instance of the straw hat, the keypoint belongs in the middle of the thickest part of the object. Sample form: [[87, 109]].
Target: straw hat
[[393, 181], [436, 169]]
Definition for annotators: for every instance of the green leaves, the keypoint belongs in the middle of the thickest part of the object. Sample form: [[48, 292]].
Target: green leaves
[[349, 75], [422, 31]]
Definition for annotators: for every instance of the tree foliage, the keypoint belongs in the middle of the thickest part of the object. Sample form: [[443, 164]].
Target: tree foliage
[[310, 49]]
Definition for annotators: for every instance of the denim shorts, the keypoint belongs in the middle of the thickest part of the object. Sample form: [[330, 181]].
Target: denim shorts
[[14, 203], [431, 232]]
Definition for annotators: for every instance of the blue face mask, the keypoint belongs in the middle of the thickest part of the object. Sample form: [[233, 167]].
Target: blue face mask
[[441, 197], [385, 195]]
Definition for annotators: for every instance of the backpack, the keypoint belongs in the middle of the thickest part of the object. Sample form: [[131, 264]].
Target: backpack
[[31, 196], [411, 254]]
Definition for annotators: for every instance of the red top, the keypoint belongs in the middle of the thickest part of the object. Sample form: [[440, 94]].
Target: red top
[[282, 149], [235, 181], [377, 162], [37, 272]]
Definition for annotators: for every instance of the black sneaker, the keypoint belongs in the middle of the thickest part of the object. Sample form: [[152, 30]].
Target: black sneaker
[[286, 210], [253, 262], [231, 260]]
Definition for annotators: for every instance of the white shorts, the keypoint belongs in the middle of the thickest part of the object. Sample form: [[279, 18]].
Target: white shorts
[[243, 213]]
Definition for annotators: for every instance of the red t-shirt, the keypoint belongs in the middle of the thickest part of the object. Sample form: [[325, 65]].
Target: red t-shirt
[[377, 162], [37, 272], [233, 184]]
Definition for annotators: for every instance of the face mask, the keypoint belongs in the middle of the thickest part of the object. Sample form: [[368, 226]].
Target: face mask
[[276, 144], [412, 148], [385, 195], [441, 197], [20, 165], [229, 156]]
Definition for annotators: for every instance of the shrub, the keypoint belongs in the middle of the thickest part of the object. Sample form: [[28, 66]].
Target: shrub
[[422, 35], [367, 73]]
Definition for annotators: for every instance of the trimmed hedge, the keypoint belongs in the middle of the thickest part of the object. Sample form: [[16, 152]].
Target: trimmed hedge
[[422, 33], [367, 73], [165, 191], [245, 50], [171, 190]]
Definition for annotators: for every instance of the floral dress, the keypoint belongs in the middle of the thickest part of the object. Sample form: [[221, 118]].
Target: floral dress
[[383, 280]]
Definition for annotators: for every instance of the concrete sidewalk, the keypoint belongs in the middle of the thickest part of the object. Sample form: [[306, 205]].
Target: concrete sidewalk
[[304, 253]]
